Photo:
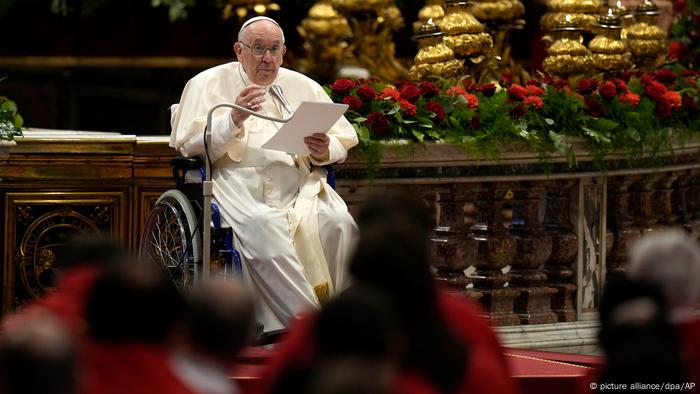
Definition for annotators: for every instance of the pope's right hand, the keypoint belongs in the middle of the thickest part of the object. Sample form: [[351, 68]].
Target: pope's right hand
[[250, 97]]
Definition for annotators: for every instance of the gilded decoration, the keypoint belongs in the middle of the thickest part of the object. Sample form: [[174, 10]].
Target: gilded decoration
[[581, 12], [38, 225], [373, 23], [464, 34], [40, 243], [243, 8], [608, 51], [647, 41], [434, 58], [500, 18], [432, 10], [567, 55], [326, 34]]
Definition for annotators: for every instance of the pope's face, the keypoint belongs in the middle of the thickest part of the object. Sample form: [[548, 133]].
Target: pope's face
[[261, 68]]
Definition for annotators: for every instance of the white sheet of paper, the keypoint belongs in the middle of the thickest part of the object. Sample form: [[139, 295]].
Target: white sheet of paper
[[311, 117]]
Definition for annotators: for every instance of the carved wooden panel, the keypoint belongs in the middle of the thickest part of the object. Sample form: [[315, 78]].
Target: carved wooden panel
[[37, 226]]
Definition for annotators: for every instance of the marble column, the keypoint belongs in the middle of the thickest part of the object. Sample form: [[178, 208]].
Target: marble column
[[558, 268], [454, 249], [534, 247], [497, 248], [620, 222]]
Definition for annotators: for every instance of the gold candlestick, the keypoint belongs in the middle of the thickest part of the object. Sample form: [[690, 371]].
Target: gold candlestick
[[434, 58], [567, 56], [372, 23], [647, 41], [608, 50], [463, 33], [325, 34], [432, 10], [581, 12], [243, 8]]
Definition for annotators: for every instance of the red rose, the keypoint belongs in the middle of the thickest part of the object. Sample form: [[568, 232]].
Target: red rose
[[594, 108], [487, 89], [690, 73], [456, 90], [533, 102], [475, 122], [366, 92], [560, 83], [401, 82], [429, 88], [655, 90], [533, 82], [378, 122], [353, 102], [689, 103], [343, 86], [408, 107], [534, 90], [472, 100], [607, 89], [468, 84], [629, 98], [436, 109], [410, 92], [673, 98], [586, 85], [391, 93], [517, 92], [663, 109], [665, 76], [680, 6], [506, 79], [676, 50], [647, 79], [620, 85], [517, 111]]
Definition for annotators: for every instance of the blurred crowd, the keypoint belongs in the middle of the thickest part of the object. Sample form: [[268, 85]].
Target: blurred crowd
[[114, 325]]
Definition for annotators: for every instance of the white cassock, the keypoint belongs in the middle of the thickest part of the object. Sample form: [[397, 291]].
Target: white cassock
[[293, 230]]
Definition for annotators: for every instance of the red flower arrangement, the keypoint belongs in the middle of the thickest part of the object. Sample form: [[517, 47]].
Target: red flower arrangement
[[343, 86], [538, 111]]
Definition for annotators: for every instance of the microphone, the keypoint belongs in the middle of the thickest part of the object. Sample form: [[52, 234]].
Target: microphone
[[276, 90]]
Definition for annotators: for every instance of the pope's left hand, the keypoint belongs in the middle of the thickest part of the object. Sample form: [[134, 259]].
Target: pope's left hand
[[318, 145]]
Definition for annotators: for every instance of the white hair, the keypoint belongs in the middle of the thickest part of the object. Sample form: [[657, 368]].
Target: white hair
[[670, 259], [258, 19]]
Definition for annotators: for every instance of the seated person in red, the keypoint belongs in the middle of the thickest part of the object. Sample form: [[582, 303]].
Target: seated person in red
[[442, 343], [38, 358], [79, 262], [131, 314], [217, 323], [671, 260]]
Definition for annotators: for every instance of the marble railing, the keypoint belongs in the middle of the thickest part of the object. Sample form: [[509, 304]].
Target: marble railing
[[532, 243]]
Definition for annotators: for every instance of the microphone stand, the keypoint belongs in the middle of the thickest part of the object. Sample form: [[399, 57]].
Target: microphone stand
[[207, 189]]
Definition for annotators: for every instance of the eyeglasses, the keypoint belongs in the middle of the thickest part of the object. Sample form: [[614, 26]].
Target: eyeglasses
[[260, 50]]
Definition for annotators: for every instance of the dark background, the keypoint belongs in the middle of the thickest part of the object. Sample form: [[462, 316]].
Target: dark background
[[130, 91]]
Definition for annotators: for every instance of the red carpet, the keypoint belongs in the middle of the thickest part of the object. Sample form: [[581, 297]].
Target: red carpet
[[535, 371]]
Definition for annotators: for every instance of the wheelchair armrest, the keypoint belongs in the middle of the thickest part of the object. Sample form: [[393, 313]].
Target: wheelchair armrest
[[183, 164], [186, 163]]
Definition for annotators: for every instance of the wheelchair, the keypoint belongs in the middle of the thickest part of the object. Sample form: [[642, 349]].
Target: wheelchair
[[172, 236]]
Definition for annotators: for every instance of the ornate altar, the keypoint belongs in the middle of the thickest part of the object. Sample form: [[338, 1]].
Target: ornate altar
[[55, 183]]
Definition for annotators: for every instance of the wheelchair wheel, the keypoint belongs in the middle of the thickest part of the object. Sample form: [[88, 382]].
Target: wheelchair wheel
[[172, 240]]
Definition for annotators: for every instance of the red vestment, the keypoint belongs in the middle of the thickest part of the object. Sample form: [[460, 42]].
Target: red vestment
[[486, 371]]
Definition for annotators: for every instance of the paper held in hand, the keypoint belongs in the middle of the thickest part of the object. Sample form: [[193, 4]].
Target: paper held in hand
[[311, 117]]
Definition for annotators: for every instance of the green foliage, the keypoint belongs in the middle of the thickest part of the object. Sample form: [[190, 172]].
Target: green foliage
[[10, 120], [633, 119], [177, 9]]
